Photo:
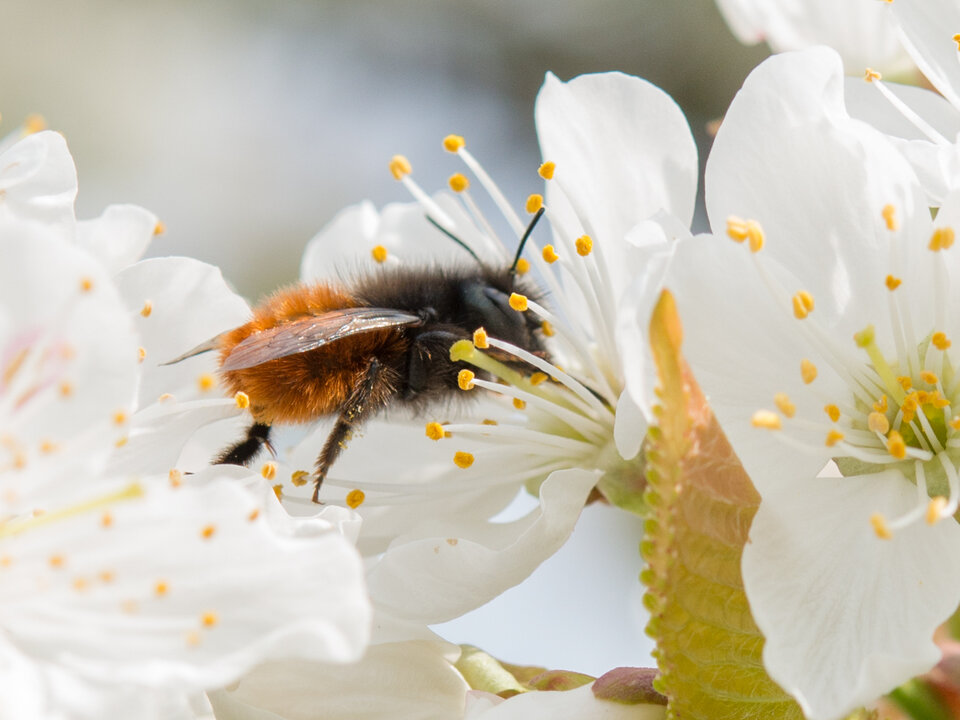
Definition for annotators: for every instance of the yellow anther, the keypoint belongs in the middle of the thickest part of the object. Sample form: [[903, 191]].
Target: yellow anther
[[889, 213], [465, 379], [278, 491], [802, 304], [584, 245], [955, 422], [355, 498], [518, 302], [6, 561], [269, 470], [537, 378], [940, 341], [57, 561], [119, 417], [86, 284], [480, 338], [34, 124], [736, 228], [519, 404], [253, 514], [784, 404], [766, 419], [208, 531], [462, 459], [458, 182], [106, 520], [488, 421], [941, 239], [881, 405], [161, 588], [206, 382], [534, 203], [896, 446], [48, 446], [870, 75], [938, 400], [929, 378], [452, 143], [877, 422], [147, 308], [547, 169], [547, 329], [165, 397], [956, 37], [379, 254], [80, 584], [66, 389], [832, 411], [880, 526], [141, 353], [808, 371], [523, 266], [755, 236], [159, 228], [435, 431], [906, 382], [299, 478], [209, 619], [893, 282], [833, 437], [549, 254], [176, 477], [242, 400], [935, 509], [400, 166]]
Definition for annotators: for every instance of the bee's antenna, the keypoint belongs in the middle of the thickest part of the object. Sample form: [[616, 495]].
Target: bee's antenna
[[453, 237], [526, 236]]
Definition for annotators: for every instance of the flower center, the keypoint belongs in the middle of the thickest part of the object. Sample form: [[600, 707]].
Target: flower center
[[898, 411]]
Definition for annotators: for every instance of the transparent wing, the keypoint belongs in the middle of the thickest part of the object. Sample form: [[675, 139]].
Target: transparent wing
[[312, 332]]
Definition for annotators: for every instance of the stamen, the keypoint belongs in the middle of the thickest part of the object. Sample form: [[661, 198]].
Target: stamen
[[480, 338], [534, 203], [379, 254], [880, 526], [146, 309], [269, 470], [896, 446], [942, 239], [802, 304], [523, 266], [206, 382], [870, 75], [766, 419], [935, 509], [400, 166], [833, 437], [546, 170], [355, 499], [905, 110], [435, 431], [889, 214], [463, 459], [549, 255], [893, 282], [159, 228], [940, 341], [299, 478], [783, 403], [518, 302], [929, 377], [453, 143], [465, 379], [458, 182], [878, 423], [808, 371], [519, 404], [833, 412], [86, 284], [584, 245]]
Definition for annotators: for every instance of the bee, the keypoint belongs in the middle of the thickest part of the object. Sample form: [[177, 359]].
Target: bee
[[319, 350]]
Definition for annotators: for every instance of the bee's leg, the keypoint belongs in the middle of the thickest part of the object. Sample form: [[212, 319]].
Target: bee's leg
[[369, 395], [430, 351], [246, 450]]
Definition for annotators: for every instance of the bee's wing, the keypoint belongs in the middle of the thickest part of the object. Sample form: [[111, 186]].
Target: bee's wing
[[312, 332]]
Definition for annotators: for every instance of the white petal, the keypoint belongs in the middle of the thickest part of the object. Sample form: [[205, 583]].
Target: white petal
[[623, 152], [630, 426], [563, 705], [927, 28], [459, 567], [847, 616], [815, 180], [38, 181], [205, 543], [119, 236], [176, 304], [402, 681]]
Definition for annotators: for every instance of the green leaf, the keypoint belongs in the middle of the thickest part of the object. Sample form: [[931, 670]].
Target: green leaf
[[701, 503]]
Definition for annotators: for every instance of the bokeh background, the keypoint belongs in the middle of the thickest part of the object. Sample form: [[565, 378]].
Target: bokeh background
[[247, 124]]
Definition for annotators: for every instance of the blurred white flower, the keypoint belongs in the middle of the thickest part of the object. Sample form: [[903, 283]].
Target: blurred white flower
[[860, 30], [119, 591], [823, 341]]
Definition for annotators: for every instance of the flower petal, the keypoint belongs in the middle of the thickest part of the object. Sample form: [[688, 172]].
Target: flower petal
[[847, 616], [434, 578], [927, 28], [38, 180], [119, 236], [403, 681], [566, 705]]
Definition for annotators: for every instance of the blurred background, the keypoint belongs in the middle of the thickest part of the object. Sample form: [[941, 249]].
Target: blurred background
[[247, 124]]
